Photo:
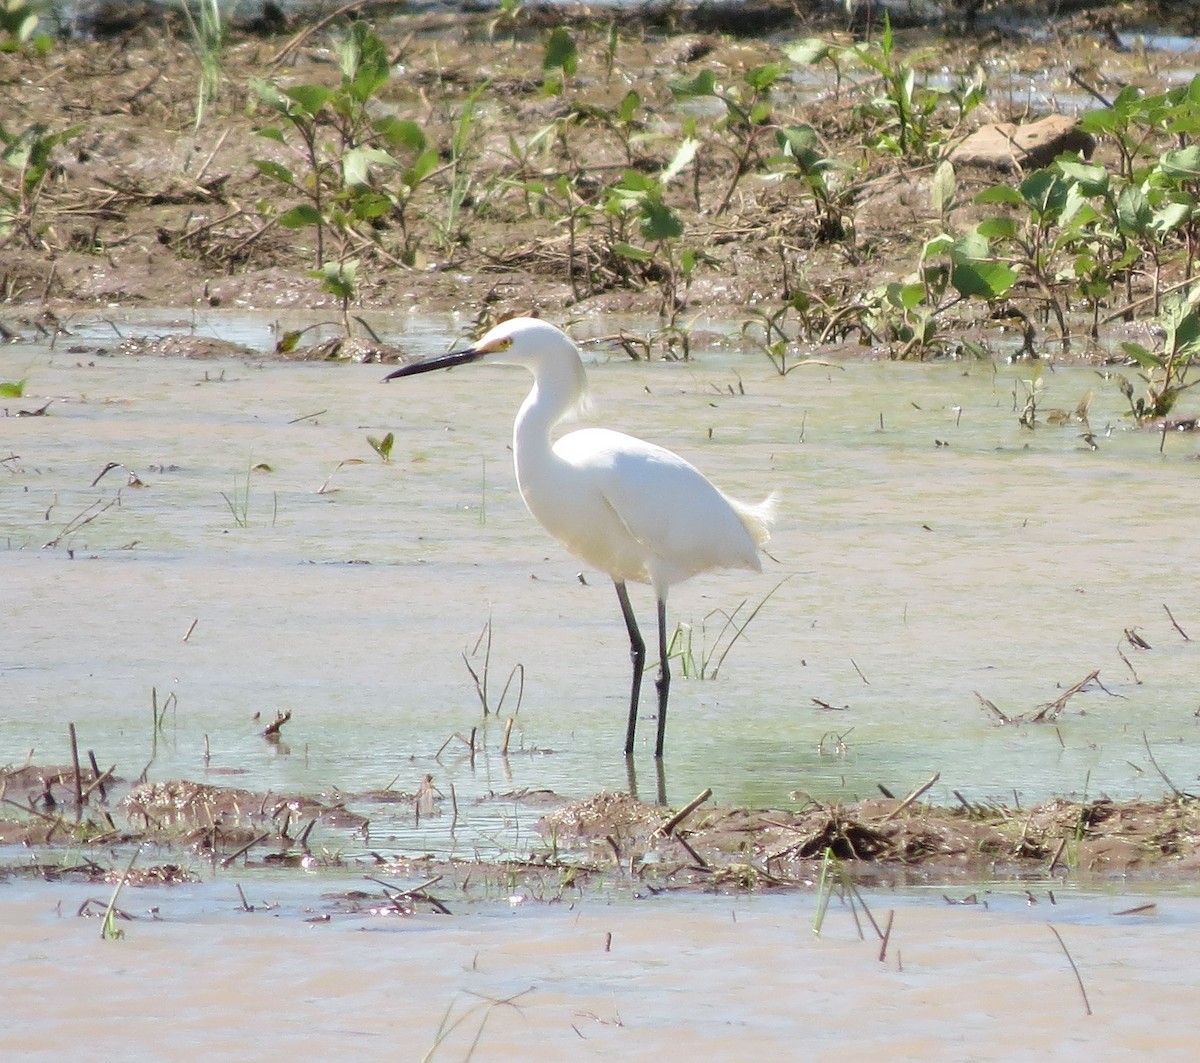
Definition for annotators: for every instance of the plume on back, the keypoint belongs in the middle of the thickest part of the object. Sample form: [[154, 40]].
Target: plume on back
[[757, 519]]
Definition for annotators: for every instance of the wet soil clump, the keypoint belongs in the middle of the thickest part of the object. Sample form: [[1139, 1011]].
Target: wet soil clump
[[610, 841]]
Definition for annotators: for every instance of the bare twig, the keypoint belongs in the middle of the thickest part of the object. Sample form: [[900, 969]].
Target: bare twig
[[1183, 796], [1175, 625], [1087, 1007], [670, 825], [911, 798]]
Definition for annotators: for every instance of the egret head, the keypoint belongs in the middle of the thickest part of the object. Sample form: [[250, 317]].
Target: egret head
[[545, 350]]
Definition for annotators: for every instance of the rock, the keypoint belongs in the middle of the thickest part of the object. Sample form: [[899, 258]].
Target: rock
[[1006, 146]]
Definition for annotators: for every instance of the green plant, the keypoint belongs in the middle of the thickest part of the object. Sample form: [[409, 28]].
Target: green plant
[[207, 28], [13, 389], [109, 931], [1165, 373], [801, 159], [340, 279], [460, 180], [666, 262], [383, 447], [343, 147], [706, 664], [909, 312], [239, 504], [30, 154], [559, 61], [746, 113], [903, 118], [19, 27], [481, 680]]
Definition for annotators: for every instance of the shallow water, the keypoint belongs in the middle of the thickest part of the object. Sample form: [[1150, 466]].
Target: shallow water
[[717, 978], [931, 548], [928, 548]]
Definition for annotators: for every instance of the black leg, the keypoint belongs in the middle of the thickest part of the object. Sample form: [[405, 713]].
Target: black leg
[[664, 677], [637, 654]]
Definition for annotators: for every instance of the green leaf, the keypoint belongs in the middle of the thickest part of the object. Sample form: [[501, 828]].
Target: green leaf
[[1000, 194], [659, 222], [808, 52], [1133, 210], [1092, 180], [383, 447], [982, 280], [943, 187], [1144, 358], [300, 216], [561, 53], [628, 107], [703, 84], [400, 133], [1171, 217], [357, 163], [1182, 163], [269, 95], [997, 228], [276, 171], [13, 389], [425, 164], [368, 205], [311, 99], [637, 254], [761, 78]]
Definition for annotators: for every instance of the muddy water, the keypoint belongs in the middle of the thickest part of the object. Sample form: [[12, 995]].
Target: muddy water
[[728, 978], [928, 549], [931, 548]]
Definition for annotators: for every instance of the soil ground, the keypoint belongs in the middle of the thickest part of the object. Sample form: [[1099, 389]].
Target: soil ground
[[143, 207]]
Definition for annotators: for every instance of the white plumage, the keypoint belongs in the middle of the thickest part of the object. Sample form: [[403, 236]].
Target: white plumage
[[629, 508]]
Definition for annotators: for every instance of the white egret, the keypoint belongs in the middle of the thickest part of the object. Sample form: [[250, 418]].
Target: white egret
[[629, 508]]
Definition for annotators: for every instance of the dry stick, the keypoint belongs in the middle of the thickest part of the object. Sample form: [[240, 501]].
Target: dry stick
[[302, 841], [1062, 844], [991, 707], [911, 798], [684, 812], [98, 779], [508, 726], [1066, 952], [1139, 909], [701, 863], [191, 628], [1052, 710], [245, 903], [212, 154], [887, 935], [245, 848], [1125, 310], [1176, 625], [78, 779], [1174, 789], [81, 520], [308, 31], [1133, 671]]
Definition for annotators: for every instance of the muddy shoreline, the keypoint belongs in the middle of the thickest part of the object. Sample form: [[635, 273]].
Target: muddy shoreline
[[148, 202], [609, 842]]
